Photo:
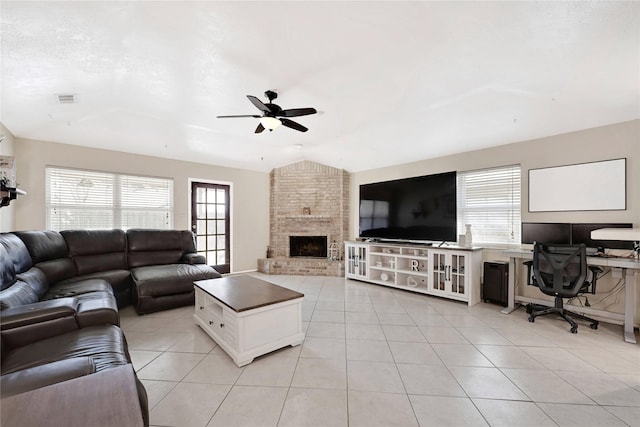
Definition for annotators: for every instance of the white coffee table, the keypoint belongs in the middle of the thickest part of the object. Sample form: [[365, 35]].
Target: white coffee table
[[248, 317]]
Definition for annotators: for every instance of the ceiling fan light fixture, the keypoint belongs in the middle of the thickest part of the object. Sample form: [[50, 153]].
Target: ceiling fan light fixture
[[270, 123]]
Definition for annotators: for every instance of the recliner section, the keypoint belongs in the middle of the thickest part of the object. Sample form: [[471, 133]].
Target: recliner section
[[101, 254]]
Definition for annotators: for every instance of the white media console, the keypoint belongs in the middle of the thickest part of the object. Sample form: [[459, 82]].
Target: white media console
[[450, 272]]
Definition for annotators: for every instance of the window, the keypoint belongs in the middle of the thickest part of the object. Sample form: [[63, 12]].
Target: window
[[81, 199], [489, 200]]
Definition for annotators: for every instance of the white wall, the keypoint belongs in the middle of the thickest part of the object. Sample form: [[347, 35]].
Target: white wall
[[602, 143], [7, 213], [250, 190]]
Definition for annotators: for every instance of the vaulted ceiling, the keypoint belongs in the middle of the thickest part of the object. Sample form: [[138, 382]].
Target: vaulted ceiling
[[392, 81]]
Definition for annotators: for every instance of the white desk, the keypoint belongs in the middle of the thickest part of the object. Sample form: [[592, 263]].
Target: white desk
[[623, 264]]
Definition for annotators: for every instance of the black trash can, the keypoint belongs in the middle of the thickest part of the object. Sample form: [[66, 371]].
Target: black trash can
[[496, 282]]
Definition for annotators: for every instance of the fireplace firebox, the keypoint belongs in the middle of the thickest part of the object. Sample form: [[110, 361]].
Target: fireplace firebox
[[308, 246]]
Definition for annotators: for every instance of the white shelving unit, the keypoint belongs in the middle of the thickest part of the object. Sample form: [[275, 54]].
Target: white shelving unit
[[450, 272]]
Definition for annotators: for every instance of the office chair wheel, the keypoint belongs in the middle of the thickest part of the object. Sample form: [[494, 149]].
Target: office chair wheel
[[574, 329], [529, 309], [532, 319], [593, 326]]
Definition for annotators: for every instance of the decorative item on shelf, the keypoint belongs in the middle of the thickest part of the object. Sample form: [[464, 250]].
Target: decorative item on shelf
[[392, 263], [334, 251], [378, 263], [268, 251], [412, 282], [8, 186], [384, 277], [416, 252], [468, 237], [306, 211], [415, 265], [386, 251]]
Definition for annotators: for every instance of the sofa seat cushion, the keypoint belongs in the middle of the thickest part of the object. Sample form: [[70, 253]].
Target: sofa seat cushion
[[104, 344], [170, 279], [120, 281], [77, 288]]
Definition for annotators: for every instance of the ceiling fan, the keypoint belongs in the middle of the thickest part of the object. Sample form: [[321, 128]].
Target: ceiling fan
[[273, 116]]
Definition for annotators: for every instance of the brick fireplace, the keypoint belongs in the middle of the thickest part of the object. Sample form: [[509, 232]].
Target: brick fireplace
[[309, 204]]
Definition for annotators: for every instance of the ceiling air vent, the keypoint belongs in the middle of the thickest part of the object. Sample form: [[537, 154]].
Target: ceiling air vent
[[66, 98]]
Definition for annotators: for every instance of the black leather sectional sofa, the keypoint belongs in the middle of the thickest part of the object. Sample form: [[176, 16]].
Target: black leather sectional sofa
[[60, 293]]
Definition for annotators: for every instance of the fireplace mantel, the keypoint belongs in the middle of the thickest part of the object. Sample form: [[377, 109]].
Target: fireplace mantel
[[308, 217]]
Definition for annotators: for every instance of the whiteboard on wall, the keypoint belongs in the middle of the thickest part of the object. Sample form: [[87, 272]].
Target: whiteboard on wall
[[595, 186]]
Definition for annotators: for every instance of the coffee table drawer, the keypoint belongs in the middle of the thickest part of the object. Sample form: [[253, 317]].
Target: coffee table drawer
[[217, 317]]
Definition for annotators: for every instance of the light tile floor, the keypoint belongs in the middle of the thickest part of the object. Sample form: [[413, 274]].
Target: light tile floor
[[375, 356]]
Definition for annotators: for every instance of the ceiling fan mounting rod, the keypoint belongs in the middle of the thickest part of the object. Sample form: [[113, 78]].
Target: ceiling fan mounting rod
[[271, 95]]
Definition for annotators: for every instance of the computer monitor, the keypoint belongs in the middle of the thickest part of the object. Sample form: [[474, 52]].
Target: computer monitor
[[581, 233], [546, 232]]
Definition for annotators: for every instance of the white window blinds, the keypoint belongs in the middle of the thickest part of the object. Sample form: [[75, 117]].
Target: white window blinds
[[81, 199], [489, 200]]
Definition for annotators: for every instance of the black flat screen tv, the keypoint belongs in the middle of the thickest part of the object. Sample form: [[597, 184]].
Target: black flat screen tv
[[415, 209]]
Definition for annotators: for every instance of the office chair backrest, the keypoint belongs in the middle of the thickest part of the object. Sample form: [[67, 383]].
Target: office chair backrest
[[560, 270]]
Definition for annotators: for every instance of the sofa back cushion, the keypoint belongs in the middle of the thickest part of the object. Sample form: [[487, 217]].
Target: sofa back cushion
[[97, 250], [49, 253], [157, 247], [14, 259], [18, 294], [36, 279], [44, 245]]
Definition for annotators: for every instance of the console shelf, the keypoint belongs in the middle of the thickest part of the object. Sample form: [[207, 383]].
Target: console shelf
[[450, 272]]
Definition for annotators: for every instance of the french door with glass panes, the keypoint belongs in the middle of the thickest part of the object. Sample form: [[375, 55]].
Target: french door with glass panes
[[210, 220]]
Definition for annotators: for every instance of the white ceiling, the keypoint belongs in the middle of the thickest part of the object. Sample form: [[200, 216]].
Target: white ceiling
[[393, 81]]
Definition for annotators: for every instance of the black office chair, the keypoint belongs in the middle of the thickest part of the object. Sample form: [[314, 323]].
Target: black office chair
[[561, 271]]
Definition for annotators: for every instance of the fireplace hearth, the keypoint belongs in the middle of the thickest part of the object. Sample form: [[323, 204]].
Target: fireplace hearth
[[308, 246]]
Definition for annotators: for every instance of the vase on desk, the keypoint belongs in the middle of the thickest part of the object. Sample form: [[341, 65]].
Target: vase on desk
[[468, 237]]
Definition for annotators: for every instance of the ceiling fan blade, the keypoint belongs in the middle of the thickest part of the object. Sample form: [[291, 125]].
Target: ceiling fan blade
[[259, 104], [260, 128], [296, 112], [293, 125], [240, 115]]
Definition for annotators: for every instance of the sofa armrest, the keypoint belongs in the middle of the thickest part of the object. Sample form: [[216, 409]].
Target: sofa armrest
[[193, 258], [45, 375], [38, 312], [38, 321]]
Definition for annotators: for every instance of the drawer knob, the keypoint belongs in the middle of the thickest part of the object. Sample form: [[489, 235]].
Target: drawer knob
[[222, 325], [201, 308], [211, 322]]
